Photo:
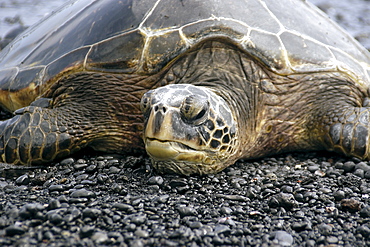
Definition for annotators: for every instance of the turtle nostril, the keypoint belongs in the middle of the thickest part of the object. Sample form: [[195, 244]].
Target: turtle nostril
[[160, 108]]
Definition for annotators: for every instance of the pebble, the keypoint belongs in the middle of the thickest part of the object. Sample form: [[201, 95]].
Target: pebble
[[313, 168], [186, 211], [156, 180], [363, 166], [284, 200], [83, 193], [68, 162], [179, 182], [55, 219], [87, 231], [351, 205], [138, 219], [332, 240], [226, 210], [23, 180], [141, 233], [349, 166], [283, 238], [99, 237], [56, 187], [222, 229], [339, 195], [364, 231], [14, 230], [325, 229], [365, 212], [124, 207]]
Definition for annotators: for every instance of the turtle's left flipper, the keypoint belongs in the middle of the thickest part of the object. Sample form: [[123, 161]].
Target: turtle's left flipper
[[348, 133], [36, 134]]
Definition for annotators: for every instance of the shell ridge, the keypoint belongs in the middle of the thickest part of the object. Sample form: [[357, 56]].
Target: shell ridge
[[149, 13], [284, 51]]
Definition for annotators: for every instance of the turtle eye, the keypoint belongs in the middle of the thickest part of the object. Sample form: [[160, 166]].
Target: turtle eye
[[194, 110], [145, 102]]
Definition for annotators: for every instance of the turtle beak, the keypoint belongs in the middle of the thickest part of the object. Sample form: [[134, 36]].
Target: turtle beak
[[160, 150]]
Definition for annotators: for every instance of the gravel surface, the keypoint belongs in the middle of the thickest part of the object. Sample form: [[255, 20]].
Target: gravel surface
[[313, 199]]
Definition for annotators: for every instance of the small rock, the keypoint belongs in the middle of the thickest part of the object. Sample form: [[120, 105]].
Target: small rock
[[325, 229], [23, 180], [174, 183], [287, 189], [155, 180], [349, 166], [363, 166], [67, 162], [195, 224], [339, 195], [141, 233], [54, 204], [79, 166], [351, 205], [226, 210], [313, 168], [332, 239], [91, 168], [186, 211], [114, 170], [137, 243], [284, 200], [124, 207], [99, 237], [83, 193], [138, 219], [87, 231], [14, 230], [238, 198], [222, 229], [48, 235], [365, 212], [364, 231], [56, 187], [92, 213], [163, 198], [359, 173], [299, 226], [55, 218], [283, 238]]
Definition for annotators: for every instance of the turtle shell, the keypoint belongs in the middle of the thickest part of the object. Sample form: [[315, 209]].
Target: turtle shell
[[143, 36]]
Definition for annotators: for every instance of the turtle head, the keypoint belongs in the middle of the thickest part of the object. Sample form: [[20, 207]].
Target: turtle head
[[188, 129]]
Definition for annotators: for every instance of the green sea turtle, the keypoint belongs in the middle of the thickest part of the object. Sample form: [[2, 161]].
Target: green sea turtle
[[216, 81]]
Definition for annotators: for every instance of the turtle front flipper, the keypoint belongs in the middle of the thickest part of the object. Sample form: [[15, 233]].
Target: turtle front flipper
[[348, 132], [37, 135]]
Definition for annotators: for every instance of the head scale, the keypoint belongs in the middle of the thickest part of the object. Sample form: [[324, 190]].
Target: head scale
[[188, 129]]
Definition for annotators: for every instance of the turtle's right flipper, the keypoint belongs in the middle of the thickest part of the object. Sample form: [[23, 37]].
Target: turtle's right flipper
[[36, 135], [348, 132]]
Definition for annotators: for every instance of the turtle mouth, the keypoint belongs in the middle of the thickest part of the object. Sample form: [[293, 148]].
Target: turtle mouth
[[162, 150], [179, 158]]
